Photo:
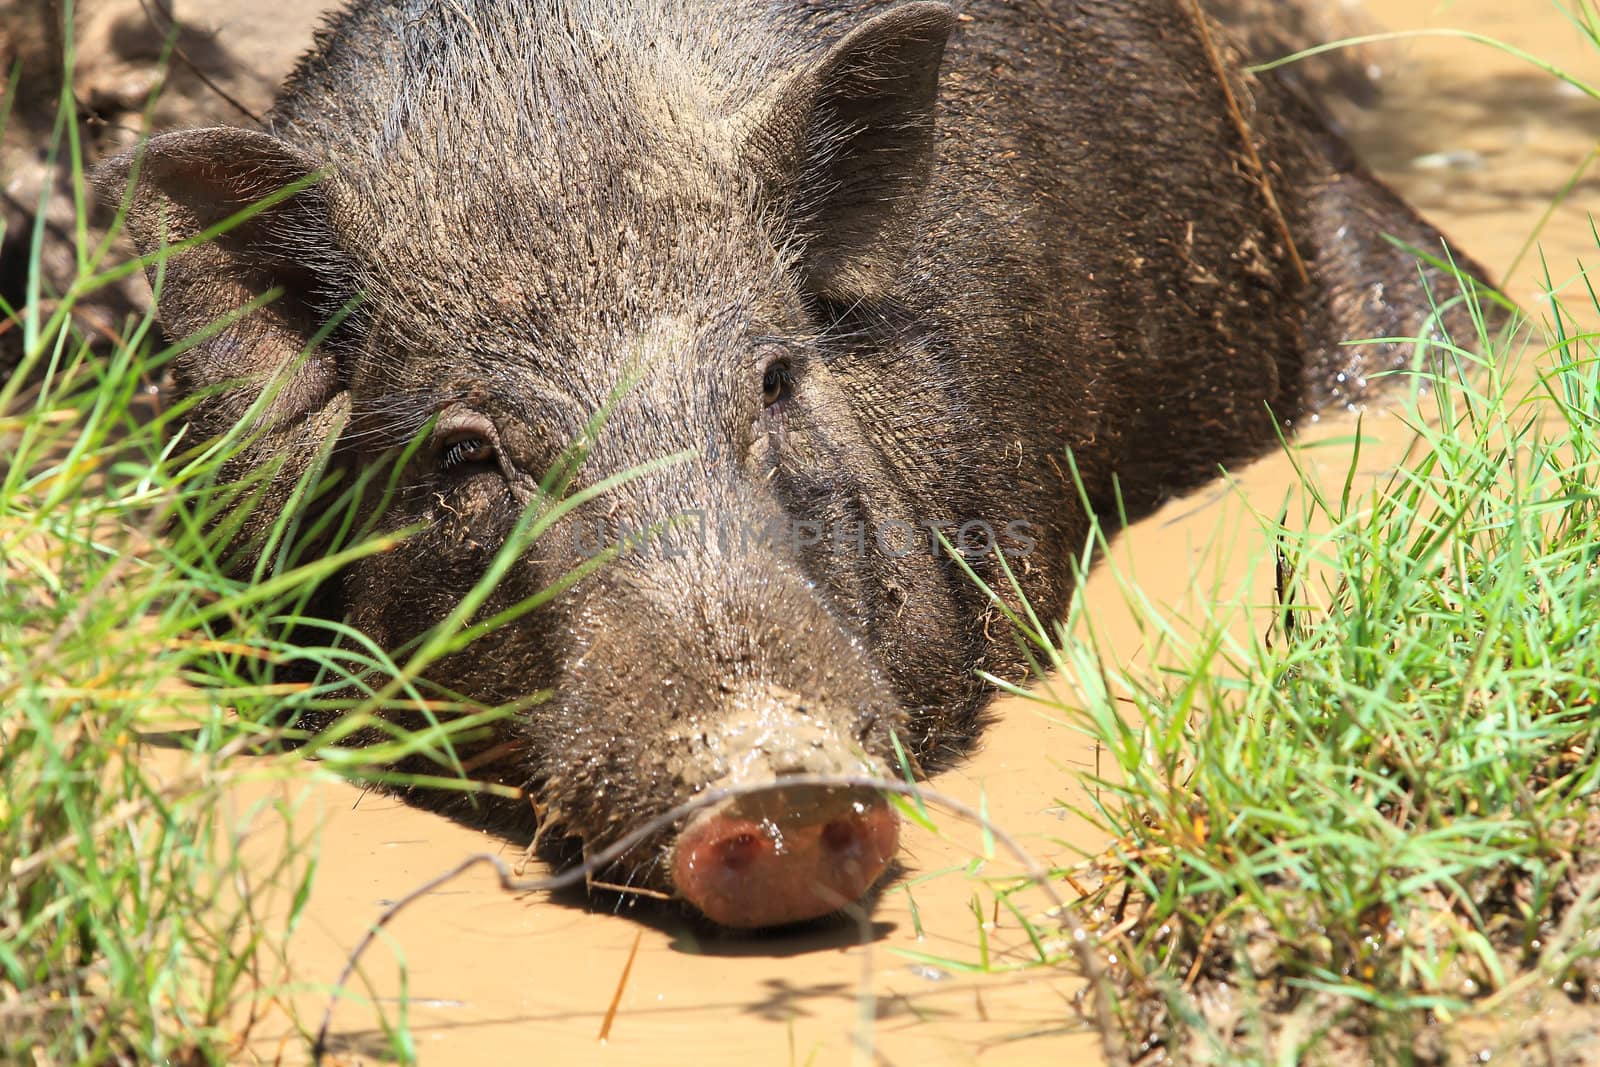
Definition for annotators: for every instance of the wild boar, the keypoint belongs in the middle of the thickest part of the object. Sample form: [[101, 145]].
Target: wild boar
[[876, 268]]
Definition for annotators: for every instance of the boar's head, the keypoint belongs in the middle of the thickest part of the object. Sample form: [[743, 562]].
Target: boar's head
[[526, 229]]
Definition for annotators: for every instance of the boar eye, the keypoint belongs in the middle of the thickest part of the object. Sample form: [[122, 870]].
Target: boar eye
[[466, 450], [777, 385]]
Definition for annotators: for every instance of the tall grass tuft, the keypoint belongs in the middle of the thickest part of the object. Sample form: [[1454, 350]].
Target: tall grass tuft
[[137, 668], [1372, 810], [1350, 818]]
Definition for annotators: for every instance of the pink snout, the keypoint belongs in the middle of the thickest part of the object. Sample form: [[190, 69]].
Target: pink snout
[[784, 855]]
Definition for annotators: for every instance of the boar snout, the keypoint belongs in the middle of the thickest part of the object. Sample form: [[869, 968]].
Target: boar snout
[[755, 698], [784, 855]]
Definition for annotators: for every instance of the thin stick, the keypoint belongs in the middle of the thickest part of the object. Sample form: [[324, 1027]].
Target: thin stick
[[194, 68], [1249, 141], [622, 983], [630, 890]]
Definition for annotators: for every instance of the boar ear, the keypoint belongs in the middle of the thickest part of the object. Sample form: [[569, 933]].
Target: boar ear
[[183, 183], [848, 146]]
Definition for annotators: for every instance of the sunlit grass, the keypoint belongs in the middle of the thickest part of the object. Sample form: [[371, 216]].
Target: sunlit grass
[[1370, 809], [137, 667], [1365, 810], [1367, 807]]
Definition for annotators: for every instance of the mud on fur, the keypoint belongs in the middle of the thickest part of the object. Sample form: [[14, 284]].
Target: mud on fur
[[871, 265]]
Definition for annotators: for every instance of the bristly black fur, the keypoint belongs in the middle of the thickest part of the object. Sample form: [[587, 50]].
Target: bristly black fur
[[976, 242]]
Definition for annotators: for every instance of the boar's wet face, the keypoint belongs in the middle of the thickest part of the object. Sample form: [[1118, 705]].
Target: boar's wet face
[[708, 278]]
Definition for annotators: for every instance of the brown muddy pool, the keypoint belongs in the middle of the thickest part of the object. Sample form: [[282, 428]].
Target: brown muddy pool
[[1482, 143]]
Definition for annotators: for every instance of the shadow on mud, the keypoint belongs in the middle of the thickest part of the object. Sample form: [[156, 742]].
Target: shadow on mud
[[693, 935], [778, 1001]]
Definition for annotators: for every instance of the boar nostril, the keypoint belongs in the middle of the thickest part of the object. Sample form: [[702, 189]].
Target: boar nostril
[[842, 835], [739, 851]]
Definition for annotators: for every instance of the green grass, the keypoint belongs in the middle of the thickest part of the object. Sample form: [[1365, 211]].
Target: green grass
[[139, 663], [1367, 807], [1347, 818], [135, 671], [114, 937], [1379, 803]]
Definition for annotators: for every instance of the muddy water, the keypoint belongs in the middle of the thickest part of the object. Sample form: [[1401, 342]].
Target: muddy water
[[1477, 140], [1483, 142]]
